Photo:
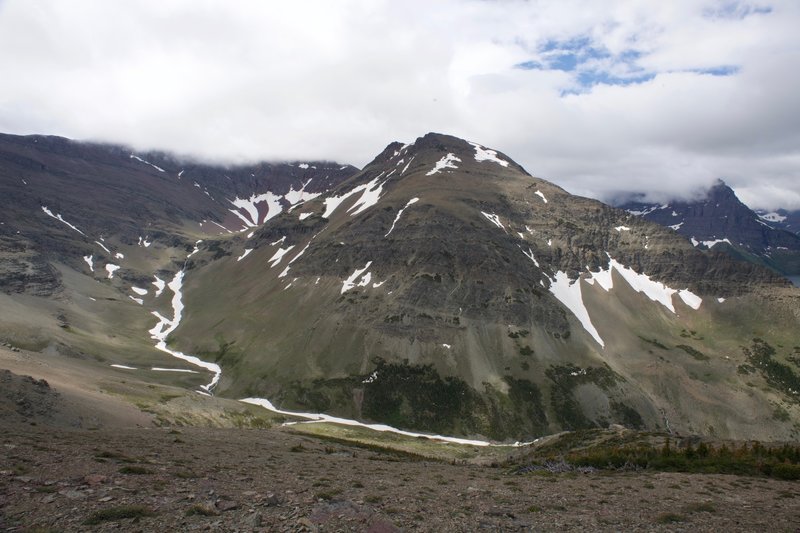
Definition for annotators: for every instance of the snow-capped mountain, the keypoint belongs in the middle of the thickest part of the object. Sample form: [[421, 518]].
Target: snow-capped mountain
[[441, 288], [721, 222]]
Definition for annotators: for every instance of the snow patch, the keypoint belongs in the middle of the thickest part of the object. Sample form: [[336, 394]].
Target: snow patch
[[136, 157], [185, 370], [447, 161], [111, 269], [494, 219], [690, 299], [245, 254], [137, 300], [370, 194], [123, 367], [529, 255], [396, 218], [304, 216], [165, 326], [276, 258], [296, 197], [540, 194], [772, 217], [569, 294], [119, 255], [484, 154], [89, 261], [369, 197], [643, 212], [407, 165], [350, 282], [655, 290], [61, 219], [676, 227], [138, 290], [160, 284], [321, 417], [622, 228], [446, 346], [710, 244], [196, 249], [250, 207]]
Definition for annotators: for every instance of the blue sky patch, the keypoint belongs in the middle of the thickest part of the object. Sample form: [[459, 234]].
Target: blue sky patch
[[722, 70]]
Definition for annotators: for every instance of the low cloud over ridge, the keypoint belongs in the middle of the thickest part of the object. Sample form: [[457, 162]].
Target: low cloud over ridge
[[601, 98]]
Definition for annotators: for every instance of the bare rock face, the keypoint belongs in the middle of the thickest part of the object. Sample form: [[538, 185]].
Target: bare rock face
[[25, 399], [24, 270]]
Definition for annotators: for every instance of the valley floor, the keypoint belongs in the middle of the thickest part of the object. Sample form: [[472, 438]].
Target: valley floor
[[276, 480]]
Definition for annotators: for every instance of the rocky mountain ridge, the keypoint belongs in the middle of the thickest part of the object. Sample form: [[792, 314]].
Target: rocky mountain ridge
[[721, 221], [441, 288]]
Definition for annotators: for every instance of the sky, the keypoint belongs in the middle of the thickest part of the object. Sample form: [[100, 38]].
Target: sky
[[603, 98]]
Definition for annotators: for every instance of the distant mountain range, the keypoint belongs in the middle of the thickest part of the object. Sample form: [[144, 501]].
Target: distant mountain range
[[442, 288], [722, 222]]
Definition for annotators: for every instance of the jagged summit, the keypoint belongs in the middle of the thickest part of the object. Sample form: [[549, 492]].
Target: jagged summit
[[722, 222]]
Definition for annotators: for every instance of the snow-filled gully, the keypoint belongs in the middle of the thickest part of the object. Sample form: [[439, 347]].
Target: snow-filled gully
[[166, 326]]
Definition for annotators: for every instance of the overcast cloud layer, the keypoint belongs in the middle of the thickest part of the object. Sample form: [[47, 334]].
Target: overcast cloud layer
[[598, 97]]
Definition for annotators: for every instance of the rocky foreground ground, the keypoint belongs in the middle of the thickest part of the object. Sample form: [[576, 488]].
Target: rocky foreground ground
[[195, 479]]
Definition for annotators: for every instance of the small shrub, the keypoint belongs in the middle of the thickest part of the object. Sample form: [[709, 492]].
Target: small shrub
[[327, 495], [670, 518], [697, 354], [201, 510], [118, 513], [700, 507], [788, 472], [135, 470]]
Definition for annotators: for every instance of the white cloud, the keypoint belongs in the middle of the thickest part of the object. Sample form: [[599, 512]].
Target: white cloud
[[246, 80]]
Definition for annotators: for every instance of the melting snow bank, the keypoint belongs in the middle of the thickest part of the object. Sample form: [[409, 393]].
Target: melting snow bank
[[569, 292], [320, 417], [165, 326]]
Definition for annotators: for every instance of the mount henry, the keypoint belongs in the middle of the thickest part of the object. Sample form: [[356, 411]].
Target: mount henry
[[441, 288]]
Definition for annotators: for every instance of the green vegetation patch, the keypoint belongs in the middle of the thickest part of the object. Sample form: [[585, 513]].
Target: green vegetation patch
[[584, 449], [778, 375], [697, 354], [118, 513], [565, 379]]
